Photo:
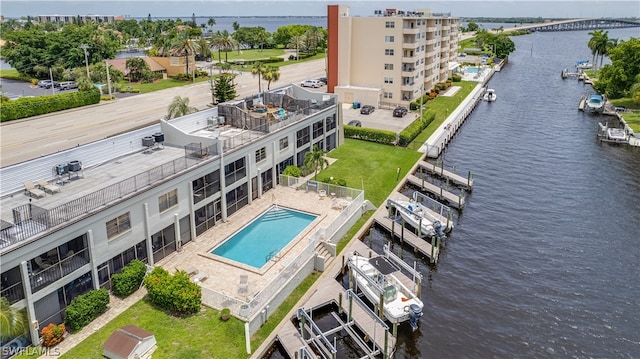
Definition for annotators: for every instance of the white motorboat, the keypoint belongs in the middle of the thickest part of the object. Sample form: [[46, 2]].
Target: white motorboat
[[595, 104], [418, 216], [584, 65], [490, 95], [616, 135], [375, 277]]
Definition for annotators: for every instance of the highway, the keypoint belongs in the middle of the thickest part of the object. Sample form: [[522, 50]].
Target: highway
[[25, 139]]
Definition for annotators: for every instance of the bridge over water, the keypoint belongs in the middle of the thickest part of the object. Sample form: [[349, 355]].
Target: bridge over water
[[578, 24]]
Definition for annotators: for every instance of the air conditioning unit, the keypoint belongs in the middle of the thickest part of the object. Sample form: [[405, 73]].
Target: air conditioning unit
[[212, 123]]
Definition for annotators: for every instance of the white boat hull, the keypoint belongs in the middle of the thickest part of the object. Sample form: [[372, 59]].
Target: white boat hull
[[414, 214], [397, 301], [489, 95]]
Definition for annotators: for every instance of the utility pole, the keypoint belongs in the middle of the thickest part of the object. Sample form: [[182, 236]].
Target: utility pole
[[53, 88], [108, 78], [86, 58]]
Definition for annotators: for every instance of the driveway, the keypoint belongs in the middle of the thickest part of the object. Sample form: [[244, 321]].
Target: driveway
[[15, 89], [381, 119]]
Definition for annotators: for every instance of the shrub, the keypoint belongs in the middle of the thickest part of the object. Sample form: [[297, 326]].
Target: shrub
[[413, 130], [107, 98], [292, 171], [52, 334], [456, 78], [182, 77], [335, 181], [370, 134], [225, 314], [33, 106], [85, 308], [175, 293], [127, 282]]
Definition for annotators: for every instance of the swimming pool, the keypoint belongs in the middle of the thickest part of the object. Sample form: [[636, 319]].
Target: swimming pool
[[264, 236], [472, 70]]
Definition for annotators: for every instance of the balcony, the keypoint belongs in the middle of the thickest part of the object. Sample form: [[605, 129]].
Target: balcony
[[49, 273], [14, 293]]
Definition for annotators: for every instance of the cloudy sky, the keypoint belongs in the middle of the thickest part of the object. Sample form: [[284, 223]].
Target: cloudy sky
[[184, 9]]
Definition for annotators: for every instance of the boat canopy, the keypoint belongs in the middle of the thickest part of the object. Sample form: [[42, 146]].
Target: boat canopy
[[382, 265]]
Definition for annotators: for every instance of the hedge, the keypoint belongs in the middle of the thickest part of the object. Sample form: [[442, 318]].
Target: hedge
[[413, 130], [175, 293], [85, 308], [33, 106], [370, 134], [129, 280]]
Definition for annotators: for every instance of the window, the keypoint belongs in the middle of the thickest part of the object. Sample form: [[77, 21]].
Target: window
[[388, 52], [330, 122], [389, 39], [388, 95], [303, 136], [318, 129], [118, 225], [390, 24], [388, 80], [206, 186], [235, 171], [261, 154], [168, 200], [388, 66], [284, 143]]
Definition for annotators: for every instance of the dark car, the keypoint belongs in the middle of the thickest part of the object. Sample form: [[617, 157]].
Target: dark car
[[400, 111], [323, 80], [355, 123], [367, 109]]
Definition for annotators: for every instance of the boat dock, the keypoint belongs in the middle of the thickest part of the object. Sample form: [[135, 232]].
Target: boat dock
[[444, 215], [439, 192], [432, 168], [328, 290], [432, 251]]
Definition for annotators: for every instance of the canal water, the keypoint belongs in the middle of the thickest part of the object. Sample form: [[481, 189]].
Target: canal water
[[544, 261]]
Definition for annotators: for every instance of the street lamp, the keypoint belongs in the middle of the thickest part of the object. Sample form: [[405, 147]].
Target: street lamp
[[84, 47]]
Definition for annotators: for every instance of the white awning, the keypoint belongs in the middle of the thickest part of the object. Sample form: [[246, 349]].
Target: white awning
[[453, 65]]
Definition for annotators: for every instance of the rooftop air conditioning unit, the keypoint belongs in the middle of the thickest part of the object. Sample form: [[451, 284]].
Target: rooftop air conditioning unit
[[212, 123]]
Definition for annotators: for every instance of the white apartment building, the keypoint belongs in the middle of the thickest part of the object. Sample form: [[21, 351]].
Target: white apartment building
[[390, 58], [146, 193]]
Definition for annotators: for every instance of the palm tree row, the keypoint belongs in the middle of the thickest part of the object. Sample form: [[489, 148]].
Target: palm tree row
[[600, 44]]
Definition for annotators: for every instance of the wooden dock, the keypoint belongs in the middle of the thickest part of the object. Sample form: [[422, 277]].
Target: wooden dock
[[452, 199], [441, 172], [444, 220], [419, 244]]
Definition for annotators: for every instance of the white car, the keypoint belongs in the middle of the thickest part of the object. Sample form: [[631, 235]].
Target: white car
[[311, 83]]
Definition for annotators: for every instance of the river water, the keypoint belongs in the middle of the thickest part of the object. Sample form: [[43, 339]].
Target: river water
[[544, 261]]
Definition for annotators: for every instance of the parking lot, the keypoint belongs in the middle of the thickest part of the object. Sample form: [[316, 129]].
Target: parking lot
[[15, 89], [381, 119]]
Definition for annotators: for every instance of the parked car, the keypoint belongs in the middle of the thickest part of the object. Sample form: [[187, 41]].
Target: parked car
[[400, 111], [68, 85], [355, 123], [311, 83], [367, 109], [44, 83], [323, 80]]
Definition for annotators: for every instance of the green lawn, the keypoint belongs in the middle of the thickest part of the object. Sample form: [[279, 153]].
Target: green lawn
[[632, 118], [442, 106], [247, 54], [159, 85], [371, 164], [12, 74], [199, 336]]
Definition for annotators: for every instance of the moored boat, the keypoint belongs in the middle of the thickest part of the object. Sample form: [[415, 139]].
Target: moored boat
[[584, 65], [490, 95], [418, 217], [375, 278], [595, 104]]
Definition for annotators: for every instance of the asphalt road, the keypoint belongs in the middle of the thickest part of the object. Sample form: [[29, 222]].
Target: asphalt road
[[30, 138]]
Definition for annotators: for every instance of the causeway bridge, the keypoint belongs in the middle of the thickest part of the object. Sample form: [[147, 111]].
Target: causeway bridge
[[578, 24]]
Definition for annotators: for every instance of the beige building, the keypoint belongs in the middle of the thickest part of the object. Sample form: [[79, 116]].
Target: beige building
[[390, 58]]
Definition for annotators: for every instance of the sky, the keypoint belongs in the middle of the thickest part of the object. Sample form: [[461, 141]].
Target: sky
[[213, 8]]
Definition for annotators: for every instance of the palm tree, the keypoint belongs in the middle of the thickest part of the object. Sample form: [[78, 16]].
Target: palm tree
[[13, 321], [594, 44], [314, 37], [258, 69], [272, 73], [314, 159], [297, 42], [606, 48], [236, 26], [180, 107], [205, 51], [211, 22], [183, 46]]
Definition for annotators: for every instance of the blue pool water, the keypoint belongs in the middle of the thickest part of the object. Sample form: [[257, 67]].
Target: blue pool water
[[472, 70], [266, 235]]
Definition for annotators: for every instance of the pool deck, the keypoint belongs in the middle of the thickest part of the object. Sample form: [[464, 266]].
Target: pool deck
[[224, 275]]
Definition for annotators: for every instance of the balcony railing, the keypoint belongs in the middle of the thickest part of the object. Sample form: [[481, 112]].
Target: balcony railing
[[13, 293], [48, 275]]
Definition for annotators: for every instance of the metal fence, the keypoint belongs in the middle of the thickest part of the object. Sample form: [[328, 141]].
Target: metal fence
[[30, 220]]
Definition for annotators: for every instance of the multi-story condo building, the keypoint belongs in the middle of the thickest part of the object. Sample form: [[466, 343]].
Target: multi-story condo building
[[146, 193], [389, 58], [68, 19]]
